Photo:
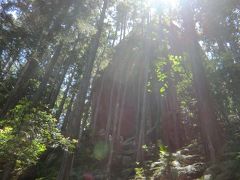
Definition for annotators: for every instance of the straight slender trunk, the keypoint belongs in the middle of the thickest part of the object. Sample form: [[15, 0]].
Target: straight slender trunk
[[78, 108], [66, 64], [144, 80], [85, 119], [49, 69], [60, 108], [115, 34], [7, 67], [29, 69], [121, 31], [116, 117], [97, 106], [172, 129], [114, 133], [22, 83], [57, 89], [124, 27], [66, 118]]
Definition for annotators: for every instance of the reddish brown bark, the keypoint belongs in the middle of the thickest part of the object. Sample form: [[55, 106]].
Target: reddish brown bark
[[209, 127]]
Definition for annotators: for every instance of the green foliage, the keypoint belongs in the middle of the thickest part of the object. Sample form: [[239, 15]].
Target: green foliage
[[154, 168], [171, 68], [159, 167], [145, 147], [27, 133], [161, 75], [33, 29], [139, 172]]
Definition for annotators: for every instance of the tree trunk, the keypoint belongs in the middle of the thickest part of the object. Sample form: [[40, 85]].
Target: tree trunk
[[67, 63], [143, 84], [124, 26], [66, 118], [7, 67], [115, 34], [20, 88], [49, 69], [172, 129], [56, 90], [8, 169], [60, 108], [78, 107], [209, 126]]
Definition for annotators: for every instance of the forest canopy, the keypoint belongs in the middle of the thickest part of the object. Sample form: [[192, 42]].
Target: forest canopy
[[120, 89]]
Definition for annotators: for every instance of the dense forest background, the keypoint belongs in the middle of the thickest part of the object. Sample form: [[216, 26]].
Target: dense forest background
[[107, 89]]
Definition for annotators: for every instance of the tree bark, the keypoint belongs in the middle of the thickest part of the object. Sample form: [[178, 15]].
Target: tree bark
[[18, 91], [78, 107], [115, 33], [66, 118], [210, 130], [67, 63], [49, 69], [57, 89], [60, 108]]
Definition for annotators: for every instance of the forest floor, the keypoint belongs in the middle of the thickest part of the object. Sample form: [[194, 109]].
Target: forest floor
[[188, 164]]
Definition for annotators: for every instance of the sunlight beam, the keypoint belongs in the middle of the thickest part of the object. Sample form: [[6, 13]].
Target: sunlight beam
[[172, 4]]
